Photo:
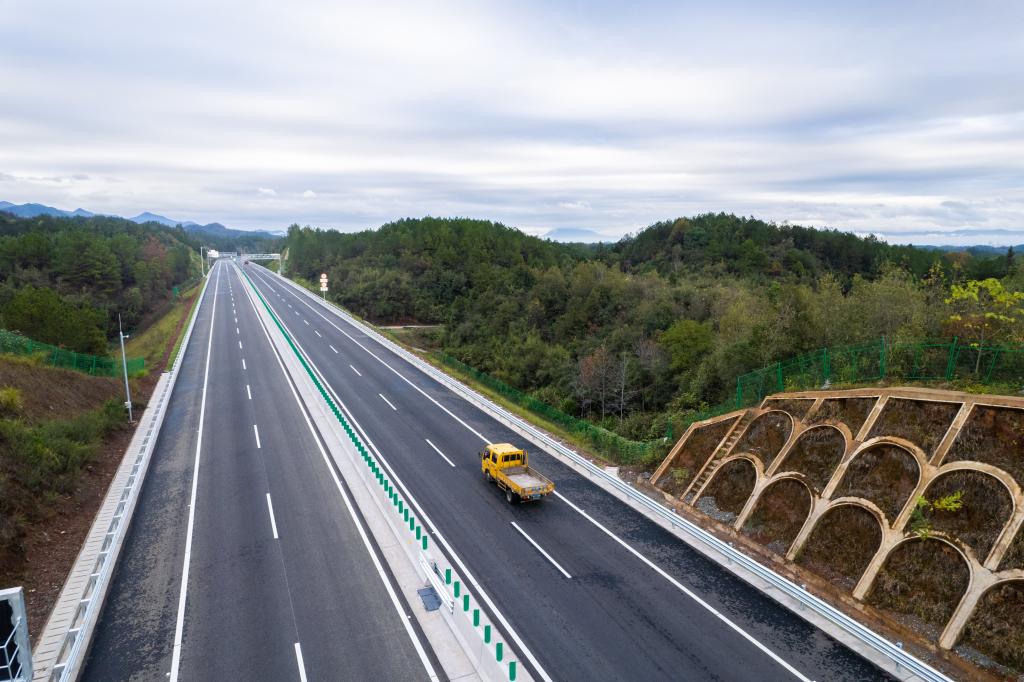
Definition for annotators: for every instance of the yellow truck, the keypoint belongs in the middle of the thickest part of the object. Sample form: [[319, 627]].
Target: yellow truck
[[508, 466]]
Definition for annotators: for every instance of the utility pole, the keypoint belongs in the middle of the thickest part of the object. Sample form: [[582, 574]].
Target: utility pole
[[124, 365]]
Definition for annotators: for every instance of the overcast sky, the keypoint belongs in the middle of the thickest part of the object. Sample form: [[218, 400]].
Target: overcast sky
[[903, 119]]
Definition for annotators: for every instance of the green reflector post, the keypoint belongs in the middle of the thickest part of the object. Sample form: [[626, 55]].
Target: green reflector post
[[476, 618], [465, 602], [512, 671], [499, 651], [447, 576], [419, 532], [424, 542], [405, 512], [412, 522], [487, 634], [457, 588]]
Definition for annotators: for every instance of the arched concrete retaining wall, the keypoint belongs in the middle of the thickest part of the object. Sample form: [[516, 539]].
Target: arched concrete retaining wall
[[895, 531]]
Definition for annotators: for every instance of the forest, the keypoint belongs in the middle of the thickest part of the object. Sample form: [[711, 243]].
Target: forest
[[65, 280], [634, 334]]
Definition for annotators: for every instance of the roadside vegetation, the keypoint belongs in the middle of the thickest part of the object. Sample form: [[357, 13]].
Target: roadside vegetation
[[640, 334]]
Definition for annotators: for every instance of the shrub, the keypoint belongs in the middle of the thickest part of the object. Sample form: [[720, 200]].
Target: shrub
[[11, 403]]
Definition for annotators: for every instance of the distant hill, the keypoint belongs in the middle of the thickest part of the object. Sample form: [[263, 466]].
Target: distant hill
[[212, 229], [576, 235]]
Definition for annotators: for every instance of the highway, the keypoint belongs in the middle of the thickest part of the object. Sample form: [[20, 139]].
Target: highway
[[587, 588], [243, 561]]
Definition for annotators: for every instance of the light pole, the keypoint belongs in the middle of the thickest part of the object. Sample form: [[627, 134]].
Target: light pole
[[202, 260], [124, 364]]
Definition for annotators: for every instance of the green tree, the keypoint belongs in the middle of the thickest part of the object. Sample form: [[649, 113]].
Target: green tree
[[686, 342], [985, 311]]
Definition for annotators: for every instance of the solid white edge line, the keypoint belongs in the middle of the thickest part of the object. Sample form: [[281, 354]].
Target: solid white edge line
[[685, 590], [452, 555], [353, 368], [541, 550], [439, 452], [485, 439], [273, 521], [388, 402], [298, 659], [179, 624], [403, 616], [248, 392], [257, 432]]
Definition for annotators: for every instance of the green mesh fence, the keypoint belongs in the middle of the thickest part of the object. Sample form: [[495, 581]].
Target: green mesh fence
[[58, 357], [607, 443], [930, 360]]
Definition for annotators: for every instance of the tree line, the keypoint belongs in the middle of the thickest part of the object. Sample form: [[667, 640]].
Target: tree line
[[637, 333]]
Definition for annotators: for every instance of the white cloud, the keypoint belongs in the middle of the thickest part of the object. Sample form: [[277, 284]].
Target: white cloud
[[502, 112]]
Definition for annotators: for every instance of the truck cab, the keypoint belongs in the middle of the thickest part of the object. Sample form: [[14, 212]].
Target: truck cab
[[508, 467]]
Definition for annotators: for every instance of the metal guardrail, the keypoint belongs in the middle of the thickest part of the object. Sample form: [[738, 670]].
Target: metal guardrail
[[894, 652], [59, 655], [15, 655]]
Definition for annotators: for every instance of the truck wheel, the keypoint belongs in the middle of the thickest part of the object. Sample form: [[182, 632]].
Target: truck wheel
[[487, 475], [510, 496]]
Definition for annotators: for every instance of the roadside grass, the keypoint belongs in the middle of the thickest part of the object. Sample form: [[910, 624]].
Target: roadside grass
[[152, 342]]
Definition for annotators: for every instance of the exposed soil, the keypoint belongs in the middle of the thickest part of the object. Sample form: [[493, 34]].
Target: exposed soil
[[695, 452], [796, 407], [997, 627], [765, 436], [987, 506], [1014, 557], [731, 486], [886, 474], [850, 411], [923, 579], [56, 393], [779, 514], [842, 544], [816, 454], [922, 422], [993, 435]]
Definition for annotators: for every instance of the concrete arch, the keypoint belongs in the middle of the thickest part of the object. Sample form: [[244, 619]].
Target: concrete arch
[[786, 441], [785, 458], [819, 514], [763, 490], [840, 478], [749, 460], [982, 585]]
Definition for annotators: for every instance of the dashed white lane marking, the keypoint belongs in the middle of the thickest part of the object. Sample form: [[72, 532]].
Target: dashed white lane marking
[[439, 452], [273, 521], [333, 348], [541, 550], [388, 402], [256, 430], [243, 363], [239, 345], [355, 370], [318, 334], [248, 392], [682, 588], [306, 321], [302, 666], [236, 330]]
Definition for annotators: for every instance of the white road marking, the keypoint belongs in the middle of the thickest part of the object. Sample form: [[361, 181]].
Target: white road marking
[[541, 550], [236, 328], [424, 659], [239, 345], [388, 402], [353, 368], [273, 521], [335, 350], [179, 625], [236, 320], [302, 666], [685, 590], [306, 321], [439, 452], [243, 363], [248, 392], [318, 334], [257, 432]]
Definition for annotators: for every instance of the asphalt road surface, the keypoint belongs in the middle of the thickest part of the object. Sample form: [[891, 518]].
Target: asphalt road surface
[[280, 583], [590, 589]]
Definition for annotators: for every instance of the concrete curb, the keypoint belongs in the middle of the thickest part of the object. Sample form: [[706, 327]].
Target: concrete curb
[[467, 644], [61, 650]]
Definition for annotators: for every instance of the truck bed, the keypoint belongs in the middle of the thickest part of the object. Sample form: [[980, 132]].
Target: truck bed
[[525, 477]]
